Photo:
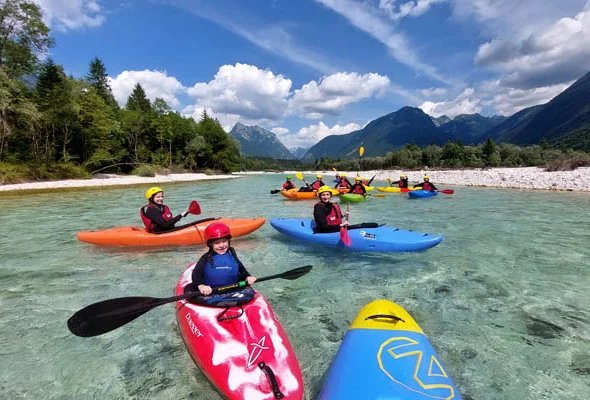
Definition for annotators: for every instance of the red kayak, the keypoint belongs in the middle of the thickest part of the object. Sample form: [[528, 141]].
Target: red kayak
[[247, 355]]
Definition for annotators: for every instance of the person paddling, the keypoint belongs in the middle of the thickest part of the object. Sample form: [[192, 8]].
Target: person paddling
[[402, 182], [327, 215], [318, 182], [156, 216], [288, 185], [344, 183], [358, 187], [426, 185], [220, 265]]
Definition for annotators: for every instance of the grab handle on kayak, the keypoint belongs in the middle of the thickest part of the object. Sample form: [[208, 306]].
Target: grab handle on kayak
[[393, 317], [272, 379]]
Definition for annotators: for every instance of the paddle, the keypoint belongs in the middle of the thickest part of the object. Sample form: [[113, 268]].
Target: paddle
[[194, 208], [344, 232], [371, 180], [108, 315], [447, 191], [381, 196], [275, 191], [299, 176], [361, 151]]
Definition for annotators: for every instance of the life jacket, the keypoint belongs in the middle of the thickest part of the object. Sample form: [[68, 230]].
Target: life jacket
[[288, 185], [343, 183], [427, 186], [149, 224], [222, 269], [357, 189], [317, 184], [403, 183], [335, 215]]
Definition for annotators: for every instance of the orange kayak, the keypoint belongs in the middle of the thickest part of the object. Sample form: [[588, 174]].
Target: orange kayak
[[297, 195], [137, 236]]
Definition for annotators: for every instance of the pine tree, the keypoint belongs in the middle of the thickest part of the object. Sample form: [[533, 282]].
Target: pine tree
[[97, 77], [138, 101]]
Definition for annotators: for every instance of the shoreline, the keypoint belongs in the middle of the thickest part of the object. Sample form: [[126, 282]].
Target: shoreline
[[509, 178]]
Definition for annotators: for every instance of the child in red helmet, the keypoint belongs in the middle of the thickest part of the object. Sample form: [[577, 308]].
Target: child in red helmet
[[220, 265]]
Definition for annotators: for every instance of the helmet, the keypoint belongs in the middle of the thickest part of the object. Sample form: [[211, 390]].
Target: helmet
[[289, 177], [217, 230], [320, 176], [357, 179], [426, 177], [151, 192], [402, 176], [324, 189], [343, 174]]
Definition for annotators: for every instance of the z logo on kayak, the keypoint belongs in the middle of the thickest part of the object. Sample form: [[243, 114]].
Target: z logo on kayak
[[256, 351], [368, 235]]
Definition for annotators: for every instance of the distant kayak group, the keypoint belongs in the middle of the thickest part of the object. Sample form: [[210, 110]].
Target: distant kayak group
[[230, 330]]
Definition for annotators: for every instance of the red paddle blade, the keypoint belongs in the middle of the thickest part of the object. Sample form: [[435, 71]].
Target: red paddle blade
[[404, 190], [345, 237], [447, 191], [194, 208]]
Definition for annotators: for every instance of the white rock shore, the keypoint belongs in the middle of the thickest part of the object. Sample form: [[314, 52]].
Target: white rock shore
[[515, 178]]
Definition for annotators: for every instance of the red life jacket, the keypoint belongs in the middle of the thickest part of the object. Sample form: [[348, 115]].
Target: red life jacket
[[357, 189], [403, 183], [149, 224], [288, 185], [335, 216], [427, 186], [343, 183], [316, 185]]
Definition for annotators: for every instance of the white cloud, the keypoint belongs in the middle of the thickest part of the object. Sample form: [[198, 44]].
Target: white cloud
[[65, 15], [466, 103], [312, 134], [409, 8], [371, 20], [433, 92], [335, 92], [154, 83], [243, 93], [279, 130]]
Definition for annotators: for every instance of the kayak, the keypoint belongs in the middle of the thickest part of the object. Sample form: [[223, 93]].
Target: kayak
[[394, 189], [137, 236], [297, 195], [421, 194], [386, 355], [383, 239], [352, 198], [245, 356]]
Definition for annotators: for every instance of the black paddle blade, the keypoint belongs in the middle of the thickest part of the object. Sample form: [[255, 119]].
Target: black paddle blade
[[290, 275], [275, 191], [108, 315]]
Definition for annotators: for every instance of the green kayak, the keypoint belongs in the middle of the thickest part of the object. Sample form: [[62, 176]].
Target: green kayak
[[352, 198]]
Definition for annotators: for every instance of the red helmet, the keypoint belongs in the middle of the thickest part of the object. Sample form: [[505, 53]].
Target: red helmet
[[217, 230]]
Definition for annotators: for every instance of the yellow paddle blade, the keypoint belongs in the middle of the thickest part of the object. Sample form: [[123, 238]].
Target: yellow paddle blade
[[361, 151], [299, 175], [334, 169]]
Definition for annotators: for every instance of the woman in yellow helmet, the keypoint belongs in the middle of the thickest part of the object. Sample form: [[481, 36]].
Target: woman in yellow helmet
[[358, 187], [343, 183], [327, 215], [156, 216], [426, 185], [318, 182], [402, 182]]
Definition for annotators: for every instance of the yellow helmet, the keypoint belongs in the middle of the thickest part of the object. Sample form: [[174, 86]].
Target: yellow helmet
[[343, 175], [426, 177], [357, 179], [402, 176], [319, 176], [151, 192], [323, 189]]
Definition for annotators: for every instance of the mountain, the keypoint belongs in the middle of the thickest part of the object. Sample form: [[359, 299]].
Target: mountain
[[469, 127], [299, 152], [258, 142], [443, 119], [390, 132], [565, 113]]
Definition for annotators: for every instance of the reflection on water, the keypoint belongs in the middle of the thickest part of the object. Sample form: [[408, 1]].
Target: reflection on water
[[504, 298]]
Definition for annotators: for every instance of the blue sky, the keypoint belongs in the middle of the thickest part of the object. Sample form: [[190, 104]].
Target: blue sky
[[305, 69]]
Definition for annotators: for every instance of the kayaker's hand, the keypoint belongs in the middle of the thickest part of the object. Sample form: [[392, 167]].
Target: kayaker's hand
[[345, 223], [184, 214], [347, 214], [205, 290], [250, 280]]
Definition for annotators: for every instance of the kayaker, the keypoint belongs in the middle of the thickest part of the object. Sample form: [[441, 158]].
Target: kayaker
[[402, 183], [358, 187], [344, 183], [327, 215], [288, 184], [318, 182], [220, 265], [156, 216], [337, 178], [426, 185]]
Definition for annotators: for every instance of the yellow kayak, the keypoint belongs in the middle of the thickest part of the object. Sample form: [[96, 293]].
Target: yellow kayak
[[394, 189]]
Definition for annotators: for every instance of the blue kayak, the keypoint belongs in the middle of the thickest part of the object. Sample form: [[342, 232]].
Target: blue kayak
[[383, 239], [421, 194], [386, 355]]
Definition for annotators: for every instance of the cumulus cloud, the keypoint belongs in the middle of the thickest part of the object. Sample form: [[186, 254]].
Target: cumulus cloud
[[314, 133], [154, 83], [279, 130], [243, 92], [334, 92], [465, 103], [65, 15]]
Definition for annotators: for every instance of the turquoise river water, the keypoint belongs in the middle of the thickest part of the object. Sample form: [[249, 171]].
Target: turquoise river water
[[504, 299]]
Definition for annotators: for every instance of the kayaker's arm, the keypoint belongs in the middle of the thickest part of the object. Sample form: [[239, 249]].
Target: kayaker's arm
[[161, 224]]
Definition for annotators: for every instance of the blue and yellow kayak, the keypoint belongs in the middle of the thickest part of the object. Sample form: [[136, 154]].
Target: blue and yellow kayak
[[385, 355]]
